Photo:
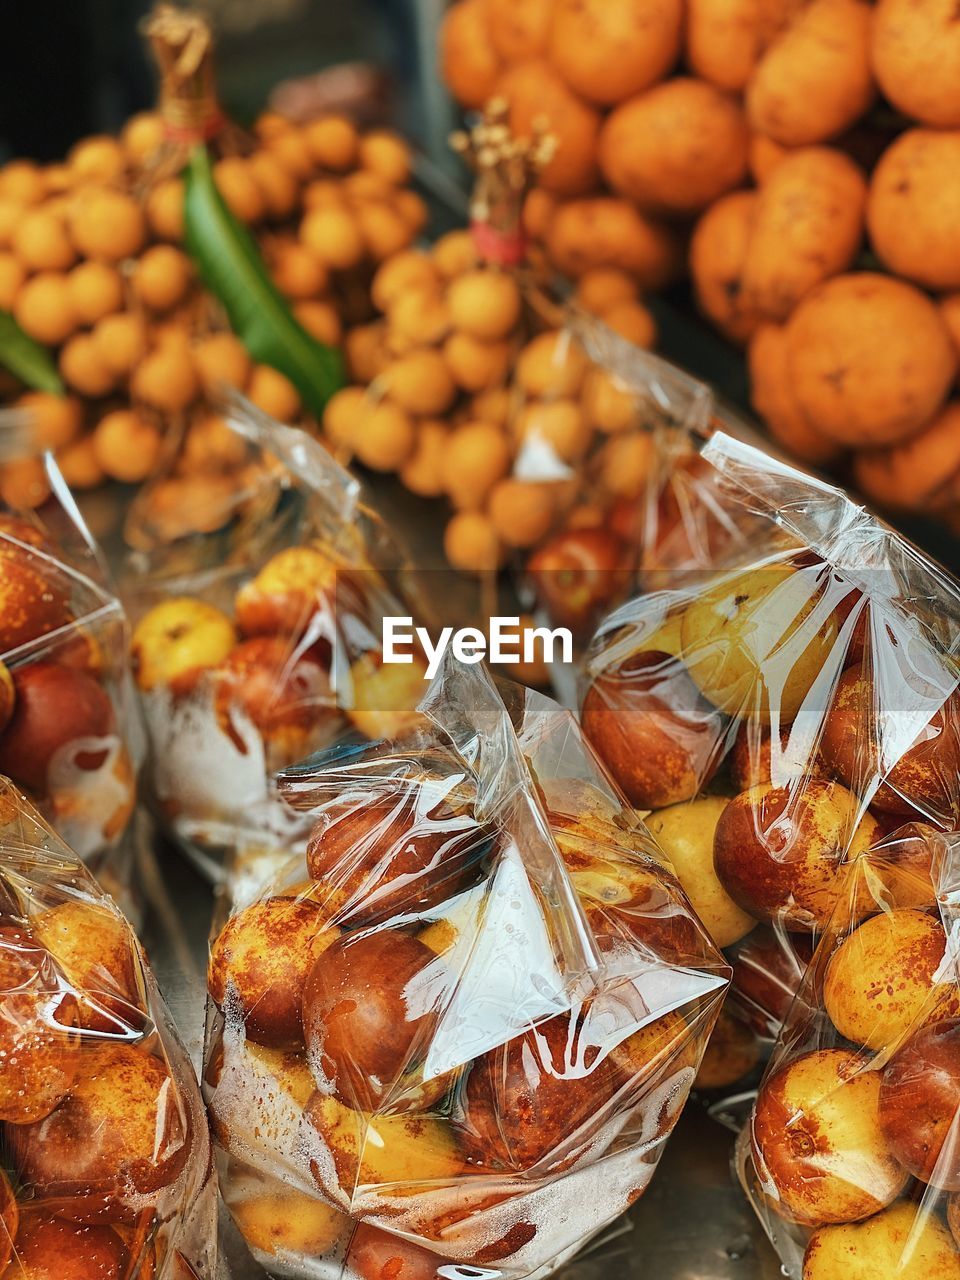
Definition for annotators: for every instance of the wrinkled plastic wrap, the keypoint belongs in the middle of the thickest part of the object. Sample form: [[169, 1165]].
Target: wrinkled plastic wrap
[[458, 1032], [851, 1156], [70, 735], [259, 642], [107, 1168], [781, 717]]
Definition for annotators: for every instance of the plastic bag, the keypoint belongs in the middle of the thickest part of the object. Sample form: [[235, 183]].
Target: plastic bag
[[783, 716], [106, 1153], [70, 733], [851, 1157], [461, 1029], [259, 642]]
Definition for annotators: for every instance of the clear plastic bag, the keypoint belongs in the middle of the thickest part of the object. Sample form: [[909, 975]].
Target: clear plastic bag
[[781, 716], [71, 734], [460, 1030], [850, 1157], [107, 1163], [259, 641]]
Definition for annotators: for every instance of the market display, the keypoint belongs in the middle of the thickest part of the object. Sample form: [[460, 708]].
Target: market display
[[469, 1016], [106, 1155]]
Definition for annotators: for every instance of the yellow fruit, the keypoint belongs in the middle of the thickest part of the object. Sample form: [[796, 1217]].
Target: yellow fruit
[[43, 308], [324, 193], [56, 420], [365, 351], [385, 438], [521, 512], [601, 288], [471, 544], [58, 178], [418, 316], [321, 321], [163, 277], [333, 235], [420, 383], [12, 275], [552, 364], [24, 483], [166, 379], [608, 404], [484, 303], [221, 358], [107, 225], [297, 272], [494, 406], [411, 271], [632, 320], [126, 446], [476, 457], [98, 159], [121, 342], [385, 231], [274, 393], [558, 423], [278, 186], [412, 209], [211, 443], [626, 463], [142, 136], [41, 241], [11, 211], [477, 365], [333, 142], [96, 290], [164, 207], [455, 253], [271, 124], [78, 464], [386, 154], [238, 186], [344, 415], [423, 471], [22, 180], [293, 152], [84, 368]]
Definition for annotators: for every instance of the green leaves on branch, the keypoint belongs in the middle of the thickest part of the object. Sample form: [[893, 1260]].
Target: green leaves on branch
[[231, 267], [26, 359]]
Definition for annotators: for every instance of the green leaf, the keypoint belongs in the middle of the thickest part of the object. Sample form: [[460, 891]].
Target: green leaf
[[26, 359], [230, 265]]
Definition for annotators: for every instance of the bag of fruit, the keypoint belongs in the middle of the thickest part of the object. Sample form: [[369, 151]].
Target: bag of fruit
[[458, 1031], [70, 734], [850, 1157], [107, 1167], [259, 640], [780, 717]]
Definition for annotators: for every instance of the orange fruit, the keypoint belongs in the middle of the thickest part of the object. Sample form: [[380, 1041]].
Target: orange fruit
[[386, 154], [333, 142], [558, 423], [321, 321], [484, 303], [23, 181], [126, 446], [323, 193], [365, 351], [521, 512], [477, 455], [164, 207], [411, 270], [455, 253], [422, 473], [293, 152], [121, 341], [270, 124], [163, 277], [385, 438], [142, 136], [274, 393], [41, 241], [632, 320], [418, 316], [11, 211], [297, 272], [44, 310], [344, 415], [24, 483], [221, 358], [420, 382], [278, 186], [56, 420], [470, 543], [79, 465], [108, 225], [84, 368], [412, 208], [97, 159], [236, 183], [166, 379], [384, 230], [12, 275], [334, 236], [96, 290], [477, 365], [212, 444]]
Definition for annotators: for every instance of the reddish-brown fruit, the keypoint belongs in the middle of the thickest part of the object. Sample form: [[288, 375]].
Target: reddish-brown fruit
[[33, 602], [578, 573], [55, 705], [919, 1103], [751, 759], [376, 1255], [287, 593], [767, 973], [49, 1248]]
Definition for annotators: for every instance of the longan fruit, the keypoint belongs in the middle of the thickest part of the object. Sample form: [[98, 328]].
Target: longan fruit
[[476, 457], [297, 272], [121, 341], [108, 225], [333, 235], [237, 185], [421, 383], [455, 253], [126, 446], [477, 365], [385, 231], [344, 414], [332, 142], [43, 308], [164, 206], [626, 462], [386, 154], [321, 321], [84, 368], [41, 242], [96, 290], [560, 424], [485, 304], [521, 512], [142, 136], [601, 288], [471, 544], [55, 420], [552, 364], [274, 393], [22, 181], [163, 277], [221, 358], [97, 159], [412, 208], [386, 437], [293, 152], [12, 275], [632, 320], [11, 211], [278, 186], [420, 316], [58, 178], [211, 444], [423, 471], [271, 124], [409, 270], [608, 404], [24, 483], [79, 465], [324, 193], [166, 379], [365, 351], [493, 406]]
